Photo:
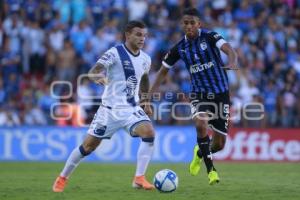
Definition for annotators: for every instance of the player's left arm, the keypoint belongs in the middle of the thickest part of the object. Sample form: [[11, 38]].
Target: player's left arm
[[217, 40], [232, 56], [144, 87], [144, 93]]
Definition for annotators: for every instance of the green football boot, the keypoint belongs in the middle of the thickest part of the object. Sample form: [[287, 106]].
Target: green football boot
[[195, 165], [213, 177]]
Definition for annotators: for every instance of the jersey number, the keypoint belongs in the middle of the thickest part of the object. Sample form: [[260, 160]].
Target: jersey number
[[139, 113]]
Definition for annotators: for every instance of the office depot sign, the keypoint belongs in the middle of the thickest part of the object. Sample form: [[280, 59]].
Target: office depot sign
[[261, 145]]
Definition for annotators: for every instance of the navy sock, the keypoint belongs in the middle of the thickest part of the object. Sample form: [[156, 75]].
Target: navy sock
[[205, 153]]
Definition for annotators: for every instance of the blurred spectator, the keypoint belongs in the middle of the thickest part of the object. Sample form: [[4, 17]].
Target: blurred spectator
[[56, 37], [243, 15], [66, 65], [270, 95], [33, 115], [63, 7], [70, 114], [287, 105], [137, 9], [34, 36], [12, 27], [79, 10], [10, 60], [9, 115], [85, 95], [100, 38], [79, 36], [45, 102], [88, 58], [1, 33], [2, 93], [30, 8]]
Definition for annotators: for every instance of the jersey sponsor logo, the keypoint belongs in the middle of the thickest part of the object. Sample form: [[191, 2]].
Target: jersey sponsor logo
[[131, 84], [198, 68], [127, 65], [203, 45]]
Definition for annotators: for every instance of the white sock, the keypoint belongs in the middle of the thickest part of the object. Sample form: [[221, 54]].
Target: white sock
[[144, 155], [72, 162]]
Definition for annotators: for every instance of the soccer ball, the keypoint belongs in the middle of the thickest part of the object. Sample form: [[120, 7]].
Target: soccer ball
[[165, 180]]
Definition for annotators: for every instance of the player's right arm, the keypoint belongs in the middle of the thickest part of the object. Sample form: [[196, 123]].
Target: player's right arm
[[169, 60], [98, 72]]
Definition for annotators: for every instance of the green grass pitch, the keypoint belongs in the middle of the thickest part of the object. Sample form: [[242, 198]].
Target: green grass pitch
[[239, 181]]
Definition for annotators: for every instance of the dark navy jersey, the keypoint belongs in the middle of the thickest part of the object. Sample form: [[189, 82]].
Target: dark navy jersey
[[203, 61]]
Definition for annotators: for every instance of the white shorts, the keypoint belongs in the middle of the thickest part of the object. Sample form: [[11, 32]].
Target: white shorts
[[107, 121]]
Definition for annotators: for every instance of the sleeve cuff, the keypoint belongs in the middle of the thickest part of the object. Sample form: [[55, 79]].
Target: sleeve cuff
[[220, 43], [166, 65]]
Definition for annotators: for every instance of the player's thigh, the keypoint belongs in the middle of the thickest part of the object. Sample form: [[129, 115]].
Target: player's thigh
[[138, 124], [144, 130], [202, 112], [201, 119], [203, 109], [104, 125], [221, 122]]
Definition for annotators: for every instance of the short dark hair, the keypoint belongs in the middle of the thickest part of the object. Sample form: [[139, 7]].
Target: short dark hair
[[132, 24], [192, 12]]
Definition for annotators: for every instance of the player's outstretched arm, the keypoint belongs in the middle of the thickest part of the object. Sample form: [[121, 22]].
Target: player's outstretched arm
[[97, 74], [232, 57], [163, 71]]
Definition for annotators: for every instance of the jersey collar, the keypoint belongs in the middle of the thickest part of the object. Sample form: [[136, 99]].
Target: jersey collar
[[128, 50]]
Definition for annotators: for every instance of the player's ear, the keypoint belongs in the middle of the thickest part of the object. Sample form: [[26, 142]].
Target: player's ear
[[199, 23], [126, 35]]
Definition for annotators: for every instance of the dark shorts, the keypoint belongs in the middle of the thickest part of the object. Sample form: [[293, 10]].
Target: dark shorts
[[216, 106]]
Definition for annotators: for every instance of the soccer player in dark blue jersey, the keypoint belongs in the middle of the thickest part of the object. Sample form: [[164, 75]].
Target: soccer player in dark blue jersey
[[200, 49]]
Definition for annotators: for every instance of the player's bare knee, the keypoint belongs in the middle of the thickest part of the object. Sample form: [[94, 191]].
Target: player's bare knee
[[145, 131], [149, 133], [89, 148], [89, 145]]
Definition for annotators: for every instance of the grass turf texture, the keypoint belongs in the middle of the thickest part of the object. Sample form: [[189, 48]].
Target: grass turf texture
[[253, 181]]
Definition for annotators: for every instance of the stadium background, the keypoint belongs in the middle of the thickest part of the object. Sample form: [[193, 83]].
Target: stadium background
[[54, 41]]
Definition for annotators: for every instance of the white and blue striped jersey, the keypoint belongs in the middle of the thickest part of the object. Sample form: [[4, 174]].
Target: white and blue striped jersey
[[124, 73]]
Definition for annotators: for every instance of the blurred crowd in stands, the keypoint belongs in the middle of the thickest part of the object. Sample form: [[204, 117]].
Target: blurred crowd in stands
[[45, 44]]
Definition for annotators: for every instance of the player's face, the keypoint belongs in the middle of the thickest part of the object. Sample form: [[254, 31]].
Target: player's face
[[190, 25], [137, 37]]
